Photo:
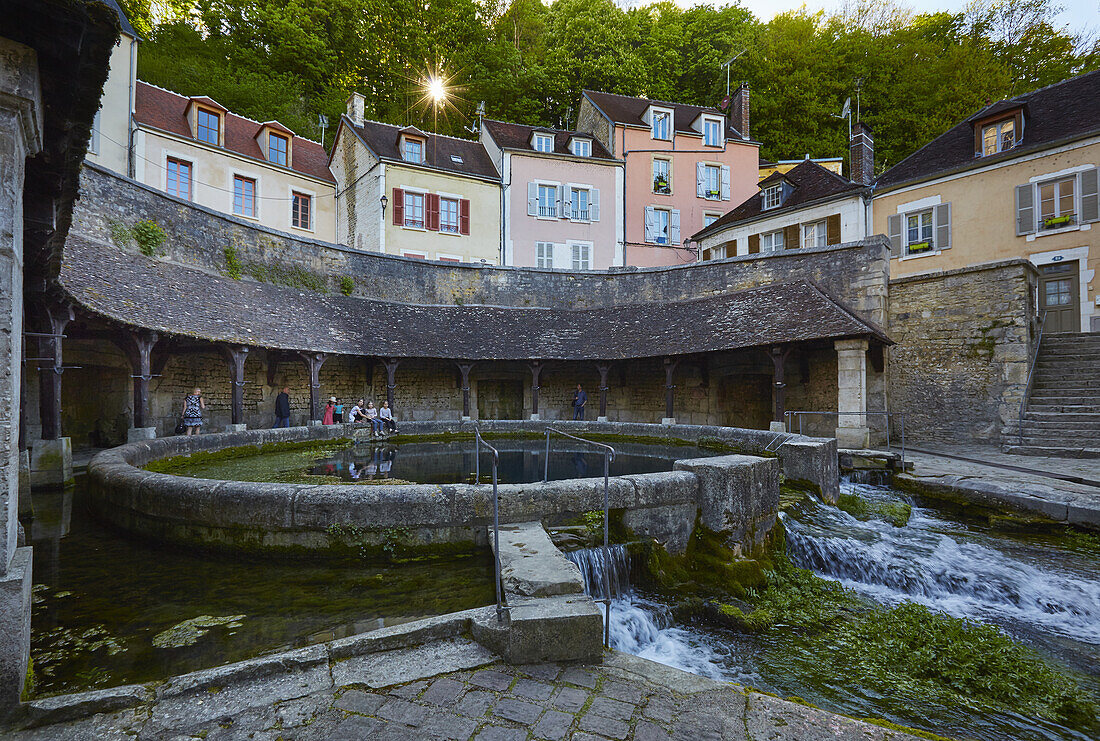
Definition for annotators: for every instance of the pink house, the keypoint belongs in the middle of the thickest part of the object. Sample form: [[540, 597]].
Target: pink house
[[684, 166], [562, 197]]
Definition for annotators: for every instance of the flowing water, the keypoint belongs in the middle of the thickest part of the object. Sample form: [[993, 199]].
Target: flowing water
[[1042, 590]]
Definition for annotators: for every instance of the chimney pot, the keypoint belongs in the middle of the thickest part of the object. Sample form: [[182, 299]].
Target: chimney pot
[[357, 105]]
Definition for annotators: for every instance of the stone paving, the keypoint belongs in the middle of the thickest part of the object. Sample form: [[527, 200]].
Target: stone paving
[[987, 459], [624, 698]]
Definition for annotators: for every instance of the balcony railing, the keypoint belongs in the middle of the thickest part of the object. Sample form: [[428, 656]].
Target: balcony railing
[[448, 227], [550, 211], [415, 223], [580, 214]]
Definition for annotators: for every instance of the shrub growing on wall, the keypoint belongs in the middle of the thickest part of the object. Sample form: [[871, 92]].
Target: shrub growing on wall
[[233, 265], [149, 236], [347, 285]]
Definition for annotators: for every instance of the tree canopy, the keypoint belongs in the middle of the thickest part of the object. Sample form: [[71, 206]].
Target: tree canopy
[[528, 61]]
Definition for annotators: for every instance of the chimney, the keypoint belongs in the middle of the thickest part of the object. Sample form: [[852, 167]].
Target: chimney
[[356, 106], [862, 154], [739, 110]]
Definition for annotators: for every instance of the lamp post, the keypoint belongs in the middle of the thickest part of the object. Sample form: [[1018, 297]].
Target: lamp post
[[384, 201]]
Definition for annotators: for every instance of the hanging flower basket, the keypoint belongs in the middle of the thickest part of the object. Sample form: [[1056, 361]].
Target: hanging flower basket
[[920, 247], [1057, 221]]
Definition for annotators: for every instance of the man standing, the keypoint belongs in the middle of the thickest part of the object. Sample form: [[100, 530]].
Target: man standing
[[579, 400], [282, 408]]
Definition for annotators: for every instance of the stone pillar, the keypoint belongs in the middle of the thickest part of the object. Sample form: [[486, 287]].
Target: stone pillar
[[604, 369], [391, 382], [670, 391], [779, 396], [464, 369], [52, 456], [851, 397], [21, 118], [139, 348], [314, 361], [536, 368], [236, 355]]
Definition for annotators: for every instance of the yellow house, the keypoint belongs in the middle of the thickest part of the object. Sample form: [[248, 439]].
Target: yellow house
[[413, 194], [768, 168], [111, 138], [1018, 179]]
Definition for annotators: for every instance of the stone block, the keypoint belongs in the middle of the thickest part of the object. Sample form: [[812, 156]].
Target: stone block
[[52, 463], [236, 428], [812, 462], [15, 628], [531, 566], [858, 438], [735, 494], [564, 628], [671, 525], [134, 434]]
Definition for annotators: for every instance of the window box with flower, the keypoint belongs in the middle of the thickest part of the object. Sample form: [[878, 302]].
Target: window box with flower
[[660, 185], [919, 248]]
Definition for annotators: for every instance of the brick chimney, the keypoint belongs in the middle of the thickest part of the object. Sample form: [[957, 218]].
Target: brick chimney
[[356, 106], [739, 110], [862, 154]]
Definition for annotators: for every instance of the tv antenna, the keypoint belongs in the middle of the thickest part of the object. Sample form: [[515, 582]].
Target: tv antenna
[[322, 121], [727, 64], [846, 112], [480, 113]]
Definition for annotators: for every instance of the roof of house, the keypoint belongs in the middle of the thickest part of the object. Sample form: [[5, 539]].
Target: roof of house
[[123, 21], [1054, 114], [810, 184], [624, 109], [195, 303], [162, 109], [518, 136], [448, 153]]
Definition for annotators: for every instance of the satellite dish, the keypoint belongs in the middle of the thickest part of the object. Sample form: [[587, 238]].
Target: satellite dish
[[322, 119], [847, 109], [725, 104]]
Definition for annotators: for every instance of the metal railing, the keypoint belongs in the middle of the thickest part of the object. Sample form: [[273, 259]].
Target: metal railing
[[608, 456], [478, 442], [887, 415], [1030, 378]]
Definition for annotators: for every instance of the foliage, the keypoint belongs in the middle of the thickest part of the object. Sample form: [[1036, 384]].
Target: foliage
[[896, 513], [291, 276], [120, 233], [234, 268], [347, 285], [149, 236]]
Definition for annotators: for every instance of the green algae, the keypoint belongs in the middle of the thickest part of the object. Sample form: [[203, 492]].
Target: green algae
[[190, 631], [895, 513]]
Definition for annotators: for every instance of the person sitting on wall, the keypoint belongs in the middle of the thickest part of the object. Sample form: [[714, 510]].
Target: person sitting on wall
[[282, 408], [386, 415], [372, 416], [330, 410], [356, 413], [580, 398]]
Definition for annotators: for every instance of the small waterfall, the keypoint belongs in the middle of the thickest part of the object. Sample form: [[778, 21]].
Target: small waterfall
[[605, 573], [872, 476]]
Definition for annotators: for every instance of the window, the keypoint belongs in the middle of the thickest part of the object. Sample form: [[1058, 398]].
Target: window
[[414, 255], [244, 196], [661, 226], [1057, 206], [709, 219], [93, 142], [813, 235], [544, 143], [457, 159], [414, 210], [712, 132], [772, 241], [662, 183], [448, 215], [178, 178], [918, 233], [301, 210], [997, 137], [579, 198], [544, 254], [277, 149], [581, 257], [208, 124], [413, 151], [661, 125], [1059, 292], [448, 258], [582, 147], [773, 196], [712, 182], [548, 201]]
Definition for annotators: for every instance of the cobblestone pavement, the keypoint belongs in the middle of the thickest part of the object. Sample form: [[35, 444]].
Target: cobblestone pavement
[[625, 698]]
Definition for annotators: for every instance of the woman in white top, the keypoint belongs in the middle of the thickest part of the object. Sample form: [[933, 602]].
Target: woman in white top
[[386, 415]]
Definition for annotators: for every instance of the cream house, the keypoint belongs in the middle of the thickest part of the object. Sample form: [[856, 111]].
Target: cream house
[[111, 139]]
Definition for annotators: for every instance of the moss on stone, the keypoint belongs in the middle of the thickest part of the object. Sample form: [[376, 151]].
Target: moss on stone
[[889, 725], [178, 463], [895, 513]]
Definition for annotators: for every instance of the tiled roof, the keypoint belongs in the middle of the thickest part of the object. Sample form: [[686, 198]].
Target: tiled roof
[[165, 110], [811, 183], [518, 136], [439, 151], [166, 297], [623, 109], [1066, 110]]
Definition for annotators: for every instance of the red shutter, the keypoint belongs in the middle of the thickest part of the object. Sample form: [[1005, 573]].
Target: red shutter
[[398, 207], [432, 215], [464, 216]]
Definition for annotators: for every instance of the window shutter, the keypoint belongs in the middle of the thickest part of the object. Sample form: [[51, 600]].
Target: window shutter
[[532, 199], [398, 207], [893, 228], [431, 206], [464, 216], [832, 229], [700, 180], [941, 218], [792, 238], [674, 227], [754, 244], [650, 224], [594, 204], [725, 182], [1025, 209], [566, 210], [1090, 198]]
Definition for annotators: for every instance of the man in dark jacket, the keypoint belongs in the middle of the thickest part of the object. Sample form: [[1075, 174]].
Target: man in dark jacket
[[282, 408], [579, 400]]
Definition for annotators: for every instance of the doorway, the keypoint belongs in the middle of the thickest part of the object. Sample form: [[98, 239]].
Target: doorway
[[500, 399], [1060, 297]]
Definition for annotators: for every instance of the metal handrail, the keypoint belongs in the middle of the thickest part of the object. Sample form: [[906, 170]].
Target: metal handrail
[[608, 456], [1030, 378], [888, 415], [478, 442]]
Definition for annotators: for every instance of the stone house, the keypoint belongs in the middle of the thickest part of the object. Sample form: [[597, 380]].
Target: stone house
[[562, 197], [684, 165], [414, 194], [1018, 179]]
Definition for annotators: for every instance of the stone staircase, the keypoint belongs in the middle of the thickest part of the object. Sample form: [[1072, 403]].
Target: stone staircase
[[1062, 418]]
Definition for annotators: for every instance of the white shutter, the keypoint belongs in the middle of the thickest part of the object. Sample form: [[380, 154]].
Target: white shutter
[[893, 228], [650, 225], [1025, 209], [674, 228], [700, 180], [532, 199], [594, 204], [566, 211], [1090, 198], [725, 182], [941, 218]]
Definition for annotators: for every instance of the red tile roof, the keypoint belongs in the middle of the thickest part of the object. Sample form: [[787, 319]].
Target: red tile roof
[[165, 110]]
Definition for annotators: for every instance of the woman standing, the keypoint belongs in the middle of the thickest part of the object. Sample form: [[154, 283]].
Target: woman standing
[[193, 406], [330, 411]]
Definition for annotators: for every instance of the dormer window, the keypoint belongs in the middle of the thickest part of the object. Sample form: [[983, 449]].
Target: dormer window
[[412, 150], [208, 126], [277, 148], [581, 147], [773, 196], [661, 126], [712, 132], [998, 137], [457, 159], [544, 142]]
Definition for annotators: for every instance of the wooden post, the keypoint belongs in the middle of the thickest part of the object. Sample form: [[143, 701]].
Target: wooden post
[[314, 361], [604, 369], [391, 382], [236, 355], [55, 316], [670, 387], [464, 369], [140, 350], [779, 397], [536, 368]]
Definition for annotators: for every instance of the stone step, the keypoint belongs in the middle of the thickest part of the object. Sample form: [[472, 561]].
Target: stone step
[[1052, 452], [1060, 441], [1034, 415], [1068, 382], [1040, 397], [1084, 366], [1062, 424], [1076, 356], [1058, 408]]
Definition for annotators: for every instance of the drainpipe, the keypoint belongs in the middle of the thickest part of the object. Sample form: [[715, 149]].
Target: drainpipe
[[130, 170]]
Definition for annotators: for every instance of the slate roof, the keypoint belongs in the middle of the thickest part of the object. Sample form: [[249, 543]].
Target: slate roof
[[624, 109], [518, 136], [811, 183], [141, 292], [383, 139], [124, 22], [1054, 114], [162, 109]]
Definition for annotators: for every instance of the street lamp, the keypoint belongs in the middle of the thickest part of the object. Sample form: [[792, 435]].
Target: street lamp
[[384, 201]]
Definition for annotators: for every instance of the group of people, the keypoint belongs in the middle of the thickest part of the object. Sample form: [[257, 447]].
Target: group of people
[[380, 418]]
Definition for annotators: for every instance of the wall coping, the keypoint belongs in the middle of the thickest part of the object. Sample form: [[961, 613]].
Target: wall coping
[[982, 267]]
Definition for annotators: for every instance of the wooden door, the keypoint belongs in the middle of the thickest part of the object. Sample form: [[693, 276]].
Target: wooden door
[[1060, 297]]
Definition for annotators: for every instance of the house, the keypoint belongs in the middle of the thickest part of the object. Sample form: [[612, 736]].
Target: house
[[562, 197], [683, 167], [110, 143], [832, 164], [806, 206], [442, 194], [1018, 179]]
